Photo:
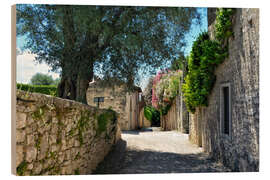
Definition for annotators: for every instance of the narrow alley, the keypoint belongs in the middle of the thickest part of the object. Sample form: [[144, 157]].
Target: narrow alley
[[155, 151]]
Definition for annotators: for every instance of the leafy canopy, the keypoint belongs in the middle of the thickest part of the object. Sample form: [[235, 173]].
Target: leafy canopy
[[120, 40], [112, 42]]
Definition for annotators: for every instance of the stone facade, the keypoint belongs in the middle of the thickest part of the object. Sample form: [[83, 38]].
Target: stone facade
[[59, 136], [127, 104], [239, 147]]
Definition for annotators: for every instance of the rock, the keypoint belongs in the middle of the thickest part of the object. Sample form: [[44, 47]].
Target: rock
[[31, 154], [37, 168], [30, 140], [20, 120], [30, 166], [20, 136], [44, 145], [19, 154]]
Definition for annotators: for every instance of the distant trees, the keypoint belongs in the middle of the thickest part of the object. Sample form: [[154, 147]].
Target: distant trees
[[43, 79]]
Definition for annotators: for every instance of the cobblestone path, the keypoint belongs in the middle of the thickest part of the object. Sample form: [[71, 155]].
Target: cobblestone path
[[156, 152]]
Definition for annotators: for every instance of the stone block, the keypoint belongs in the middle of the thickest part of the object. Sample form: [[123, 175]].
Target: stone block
[[61, 157], [20, 136], [30, 139], [30, 166], [54, 148], [52, 139], [19, 154], [37, 168], [44, 146], [31, 154], [20, 120]]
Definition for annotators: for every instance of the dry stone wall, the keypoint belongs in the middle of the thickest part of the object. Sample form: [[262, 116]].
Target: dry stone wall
[[59, 136], [240, 149]]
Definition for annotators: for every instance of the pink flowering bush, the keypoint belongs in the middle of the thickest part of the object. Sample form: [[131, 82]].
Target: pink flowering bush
[[165, 88]]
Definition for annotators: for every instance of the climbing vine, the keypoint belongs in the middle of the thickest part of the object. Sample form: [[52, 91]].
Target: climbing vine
[[223, 26], [205, 56]]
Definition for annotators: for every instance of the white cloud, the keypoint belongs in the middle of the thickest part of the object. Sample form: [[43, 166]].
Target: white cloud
[[27, 67]]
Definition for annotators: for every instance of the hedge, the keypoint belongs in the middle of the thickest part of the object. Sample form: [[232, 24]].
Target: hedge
[[43, 89]]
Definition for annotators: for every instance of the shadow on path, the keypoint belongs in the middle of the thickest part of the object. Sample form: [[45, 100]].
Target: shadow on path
[[123, 160]]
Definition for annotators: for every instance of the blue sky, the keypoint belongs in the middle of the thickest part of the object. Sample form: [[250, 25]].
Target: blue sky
[[27, 67]]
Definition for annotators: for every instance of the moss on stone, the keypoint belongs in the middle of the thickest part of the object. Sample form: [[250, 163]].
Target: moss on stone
[[38, 141], [71, 132], [38, 113], [83, 122], [21, 168], [77, 156], [104, 118], [77, 171], [52, 155]]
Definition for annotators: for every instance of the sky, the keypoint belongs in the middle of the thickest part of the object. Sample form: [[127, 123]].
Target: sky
[[27, 67], [190, 38]]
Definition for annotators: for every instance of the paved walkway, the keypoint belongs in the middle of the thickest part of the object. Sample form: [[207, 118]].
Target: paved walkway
[[156, 152]]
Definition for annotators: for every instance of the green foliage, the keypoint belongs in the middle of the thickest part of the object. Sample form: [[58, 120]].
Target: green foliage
[[43, 89], [152, 115], [41, 79], [21, 168], [223, 26], [77, 172], [164, 110], [205, 56], [56, 81], [148, 113], [178, 63]]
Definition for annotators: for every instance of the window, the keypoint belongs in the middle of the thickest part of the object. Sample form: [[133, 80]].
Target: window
[[98, 100], [225, 109]]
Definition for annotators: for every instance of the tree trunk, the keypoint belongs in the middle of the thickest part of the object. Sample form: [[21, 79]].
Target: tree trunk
[[66, 89], [85, 74], [81, 87]]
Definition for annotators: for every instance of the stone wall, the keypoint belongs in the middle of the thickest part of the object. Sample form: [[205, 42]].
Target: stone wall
[[59, 136], [239, 149]]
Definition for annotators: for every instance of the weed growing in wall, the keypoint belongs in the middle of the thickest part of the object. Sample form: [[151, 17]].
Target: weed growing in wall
[[223, 26], [21, 168], [104, 118]]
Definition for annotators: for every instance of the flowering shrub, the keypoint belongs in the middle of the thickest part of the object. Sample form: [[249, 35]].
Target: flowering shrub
[[165, 88]]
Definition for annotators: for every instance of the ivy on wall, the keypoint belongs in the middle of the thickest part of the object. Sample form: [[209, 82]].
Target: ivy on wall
[[205, 56]]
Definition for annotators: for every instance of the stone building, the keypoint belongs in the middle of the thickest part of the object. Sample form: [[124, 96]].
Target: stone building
[[128, 104], [228, 128]]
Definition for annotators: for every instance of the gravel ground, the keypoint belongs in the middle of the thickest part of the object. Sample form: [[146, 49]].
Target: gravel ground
[[154, 151]]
